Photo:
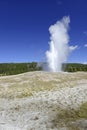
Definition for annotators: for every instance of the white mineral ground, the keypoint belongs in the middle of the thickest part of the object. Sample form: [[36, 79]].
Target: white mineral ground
[[34, 100]]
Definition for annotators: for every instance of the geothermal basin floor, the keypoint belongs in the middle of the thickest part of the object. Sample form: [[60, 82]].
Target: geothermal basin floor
[[43, 101]]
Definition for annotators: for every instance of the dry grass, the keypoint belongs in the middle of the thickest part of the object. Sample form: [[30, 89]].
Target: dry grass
[[69, 117], [43, 101], [24, 85]]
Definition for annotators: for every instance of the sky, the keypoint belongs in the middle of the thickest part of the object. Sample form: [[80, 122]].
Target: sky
[[24, 25]]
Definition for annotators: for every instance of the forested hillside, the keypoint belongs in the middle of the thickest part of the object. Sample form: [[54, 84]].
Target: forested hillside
[[17, 68], [74, 67]]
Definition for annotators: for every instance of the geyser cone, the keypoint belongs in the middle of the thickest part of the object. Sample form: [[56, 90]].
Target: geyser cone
[[59, 48]]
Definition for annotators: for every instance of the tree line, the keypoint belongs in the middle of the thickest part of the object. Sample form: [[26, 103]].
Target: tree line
[[74, 67], [17, 68]]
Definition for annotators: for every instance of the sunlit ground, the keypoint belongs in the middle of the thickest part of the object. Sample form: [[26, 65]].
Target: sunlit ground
[[43, 101]]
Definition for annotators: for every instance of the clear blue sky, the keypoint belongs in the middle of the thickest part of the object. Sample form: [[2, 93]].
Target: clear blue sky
[[24, 24]]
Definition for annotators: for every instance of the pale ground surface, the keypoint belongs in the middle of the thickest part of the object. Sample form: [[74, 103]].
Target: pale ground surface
[[38, 100]]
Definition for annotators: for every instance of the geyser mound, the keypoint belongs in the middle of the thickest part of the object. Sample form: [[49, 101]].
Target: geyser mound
[[59, 48]]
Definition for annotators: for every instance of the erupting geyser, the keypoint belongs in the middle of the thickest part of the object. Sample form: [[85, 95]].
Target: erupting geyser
[[59, 48]]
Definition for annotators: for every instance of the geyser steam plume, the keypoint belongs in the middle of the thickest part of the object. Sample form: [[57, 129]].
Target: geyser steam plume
[[59, 48]]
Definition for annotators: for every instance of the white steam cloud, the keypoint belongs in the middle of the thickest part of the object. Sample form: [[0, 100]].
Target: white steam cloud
[[72, 48], [59, 48]]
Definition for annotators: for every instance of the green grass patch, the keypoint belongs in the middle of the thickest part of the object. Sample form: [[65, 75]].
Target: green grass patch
[[66, 117], [74, 114]]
